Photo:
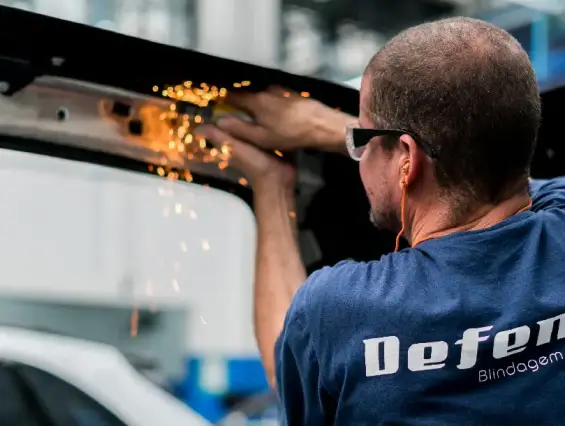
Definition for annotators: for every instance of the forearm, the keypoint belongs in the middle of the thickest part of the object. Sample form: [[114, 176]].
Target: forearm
[[330, 131], [279, 269]]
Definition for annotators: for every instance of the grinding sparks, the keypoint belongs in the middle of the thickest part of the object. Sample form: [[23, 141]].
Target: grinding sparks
[[193, 103], [181, 119]]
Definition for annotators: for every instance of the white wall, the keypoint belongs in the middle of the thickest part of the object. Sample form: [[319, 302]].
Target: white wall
[[245, 30], [90, 234]]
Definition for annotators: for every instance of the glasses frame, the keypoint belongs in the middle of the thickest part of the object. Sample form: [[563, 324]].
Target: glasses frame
[[359, 137]]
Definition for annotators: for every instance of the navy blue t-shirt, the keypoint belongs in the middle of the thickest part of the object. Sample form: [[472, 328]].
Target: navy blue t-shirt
[[467, 329]]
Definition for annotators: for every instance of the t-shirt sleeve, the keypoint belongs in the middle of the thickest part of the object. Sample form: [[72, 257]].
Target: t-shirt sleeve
[[297, 369], [547, 194]]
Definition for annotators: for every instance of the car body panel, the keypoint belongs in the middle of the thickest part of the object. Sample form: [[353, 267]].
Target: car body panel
[[101, 372]]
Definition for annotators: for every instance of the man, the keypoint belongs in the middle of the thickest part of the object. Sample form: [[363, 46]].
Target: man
[[466, 327]]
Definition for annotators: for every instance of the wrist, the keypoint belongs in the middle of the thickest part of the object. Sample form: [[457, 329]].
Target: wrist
[[273, 192], [330, 131], [279, 181], [275, 202]]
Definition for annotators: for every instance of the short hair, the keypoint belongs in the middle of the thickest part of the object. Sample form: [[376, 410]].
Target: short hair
[[469, 89]]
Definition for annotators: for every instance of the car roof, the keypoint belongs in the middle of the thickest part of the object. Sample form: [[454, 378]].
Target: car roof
[[100, 371]]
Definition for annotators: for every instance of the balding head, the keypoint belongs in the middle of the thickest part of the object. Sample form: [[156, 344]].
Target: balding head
[[468, 89]]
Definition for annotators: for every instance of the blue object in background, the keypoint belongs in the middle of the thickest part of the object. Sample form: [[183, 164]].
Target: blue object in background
[[189, 391], [244, 377], [556, 71], [539, 45]]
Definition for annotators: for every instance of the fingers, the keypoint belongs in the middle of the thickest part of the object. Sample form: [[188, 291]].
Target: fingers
[[243, 100], [244, 130], [213, 134], [218, 138], [262, 169], [241, 152]]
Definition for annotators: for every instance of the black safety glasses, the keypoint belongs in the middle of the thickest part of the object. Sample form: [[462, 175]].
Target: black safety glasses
[[357, 139]]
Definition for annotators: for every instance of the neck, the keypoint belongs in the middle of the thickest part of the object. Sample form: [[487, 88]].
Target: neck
[[438, 221]]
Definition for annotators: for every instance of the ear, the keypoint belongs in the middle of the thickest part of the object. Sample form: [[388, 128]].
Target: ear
[[409, 160]]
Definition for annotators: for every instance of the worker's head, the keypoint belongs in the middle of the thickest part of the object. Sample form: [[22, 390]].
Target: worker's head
[[465, 97]]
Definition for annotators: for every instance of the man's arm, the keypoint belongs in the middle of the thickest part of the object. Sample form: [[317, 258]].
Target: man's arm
[[287, 121], [279, 270], [278, 267]]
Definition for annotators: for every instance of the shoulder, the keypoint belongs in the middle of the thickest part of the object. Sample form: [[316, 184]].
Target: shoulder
[[327, 283], [547, 194], [341, 287], [337, 305]]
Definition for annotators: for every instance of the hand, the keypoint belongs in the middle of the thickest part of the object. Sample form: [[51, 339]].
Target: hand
[[285, 120], [262, 169]]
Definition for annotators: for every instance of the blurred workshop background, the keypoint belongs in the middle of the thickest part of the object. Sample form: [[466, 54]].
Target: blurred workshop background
[[192, 333], [332, 39]]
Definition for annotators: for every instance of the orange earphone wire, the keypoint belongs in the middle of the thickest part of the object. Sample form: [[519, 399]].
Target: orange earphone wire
[[402, 203], [405, 169]]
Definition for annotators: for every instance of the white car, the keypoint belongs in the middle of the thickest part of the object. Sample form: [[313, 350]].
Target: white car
[[52, 380]]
